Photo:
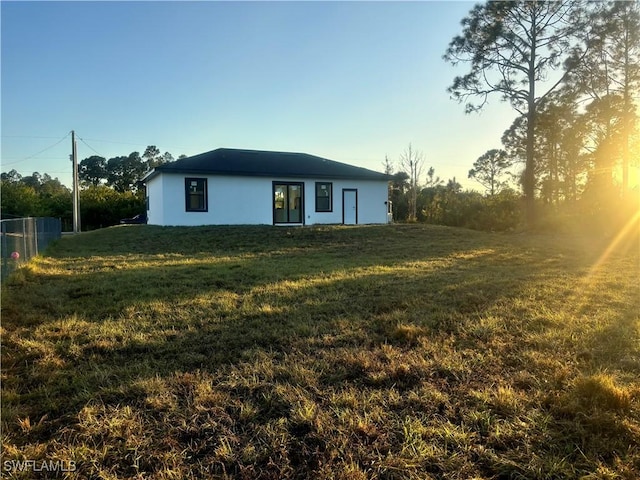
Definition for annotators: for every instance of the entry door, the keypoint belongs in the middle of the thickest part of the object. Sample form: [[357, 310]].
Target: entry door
[[349, 206], [287, 202]]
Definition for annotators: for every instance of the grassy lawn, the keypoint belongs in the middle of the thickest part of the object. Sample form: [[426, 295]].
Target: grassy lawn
[[390, 352]]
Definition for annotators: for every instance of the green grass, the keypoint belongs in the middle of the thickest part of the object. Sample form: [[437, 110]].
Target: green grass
[[390, 352]]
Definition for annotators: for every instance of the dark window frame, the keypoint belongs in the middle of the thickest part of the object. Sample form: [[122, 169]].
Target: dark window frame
[[323, 210], [187, 194], [275, 183]]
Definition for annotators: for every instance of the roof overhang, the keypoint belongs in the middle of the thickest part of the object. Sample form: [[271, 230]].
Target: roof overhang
[[149, 175], [253, 163]]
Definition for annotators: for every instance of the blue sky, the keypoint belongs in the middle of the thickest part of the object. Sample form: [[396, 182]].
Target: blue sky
[[350, 81]]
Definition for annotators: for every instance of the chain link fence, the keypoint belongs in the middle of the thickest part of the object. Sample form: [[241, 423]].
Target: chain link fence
[[23, 238]]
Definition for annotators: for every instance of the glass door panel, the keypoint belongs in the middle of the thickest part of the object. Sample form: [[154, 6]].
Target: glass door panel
[[287, 203], [279, 203], [295, 202]]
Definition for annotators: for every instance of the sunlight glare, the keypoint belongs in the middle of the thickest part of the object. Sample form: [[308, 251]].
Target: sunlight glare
[[630, 232]]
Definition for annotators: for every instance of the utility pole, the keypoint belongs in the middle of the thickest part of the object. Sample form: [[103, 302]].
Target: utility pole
[[76, 186]]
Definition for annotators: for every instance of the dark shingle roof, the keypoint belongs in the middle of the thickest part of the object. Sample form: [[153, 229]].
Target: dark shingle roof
[[229, 161]]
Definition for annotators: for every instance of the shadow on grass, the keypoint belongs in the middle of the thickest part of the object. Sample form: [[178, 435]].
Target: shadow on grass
[[202, 313], [136, 313], [212, 240], [105, 272], [617, 344]]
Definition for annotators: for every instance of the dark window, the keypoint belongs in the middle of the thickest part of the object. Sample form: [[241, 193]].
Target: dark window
[[287, 202], [324, 197], [196, 194]]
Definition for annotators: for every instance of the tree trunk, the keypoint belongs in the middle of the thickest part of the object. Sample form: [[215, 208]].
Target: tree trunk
[[628, 106], [625, 162], [529, 169]]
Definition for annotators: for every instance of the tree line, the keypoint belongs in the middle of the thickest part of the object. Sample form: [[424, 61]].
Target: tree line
[[422, 196], [571, 72], [110, 190], [121, 173]]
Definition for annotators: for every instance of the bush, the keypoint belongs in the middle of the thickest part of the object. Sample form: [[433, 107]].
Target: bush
[[102, 206], [500, 212]]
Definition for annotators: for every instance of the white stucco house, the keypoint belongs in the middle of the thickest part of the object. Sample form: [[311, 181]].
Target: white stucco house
[[240, 187]]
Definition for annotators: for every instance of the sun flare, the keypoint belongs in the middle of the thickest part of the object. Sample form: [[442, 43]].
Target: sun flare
[[628, 235]]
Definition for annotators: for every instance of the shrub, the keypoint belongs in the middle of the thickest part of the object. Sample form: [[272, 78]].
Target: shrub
[[102, 206], [501, 212]]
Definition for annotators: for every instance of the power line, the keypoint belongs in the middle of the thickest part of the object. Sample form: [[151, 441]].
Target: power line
[[39, 158], [41, 151], [94, 150], [140, 144], [116, 143], [28, 173], [26, 136]]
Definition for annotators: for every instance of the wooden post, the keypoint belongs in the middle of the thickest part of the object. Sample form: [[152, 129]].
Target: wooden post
[[76, 186]]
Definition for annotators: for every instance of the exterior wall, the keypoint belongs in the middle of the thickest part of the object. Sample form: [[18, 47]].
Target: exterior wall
[[230, 201], [245, 200], [155, 206], [372, 202], [371, 197]]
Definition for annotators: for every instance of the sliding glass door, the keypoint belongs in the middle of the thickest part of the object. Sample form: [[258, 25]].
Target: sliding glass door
[[288, 202]]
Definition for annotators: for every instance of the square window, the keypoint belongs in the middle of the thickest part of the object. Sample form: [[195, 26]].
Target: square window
[[196, 194], [324, 197]]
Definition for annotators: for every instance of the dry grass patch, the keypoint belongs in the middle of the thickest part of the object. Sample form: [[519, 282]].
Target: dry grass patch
[[392, 352], [599, 391]]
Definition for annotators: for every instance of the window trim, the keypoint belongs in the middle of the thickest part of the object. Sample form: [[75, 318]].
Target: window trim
[[187, 194], [330, 209], [273, 202]]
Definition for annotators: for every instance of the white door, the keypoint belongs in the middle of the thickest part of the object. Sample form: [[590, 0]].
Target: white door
[[349, 206]]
